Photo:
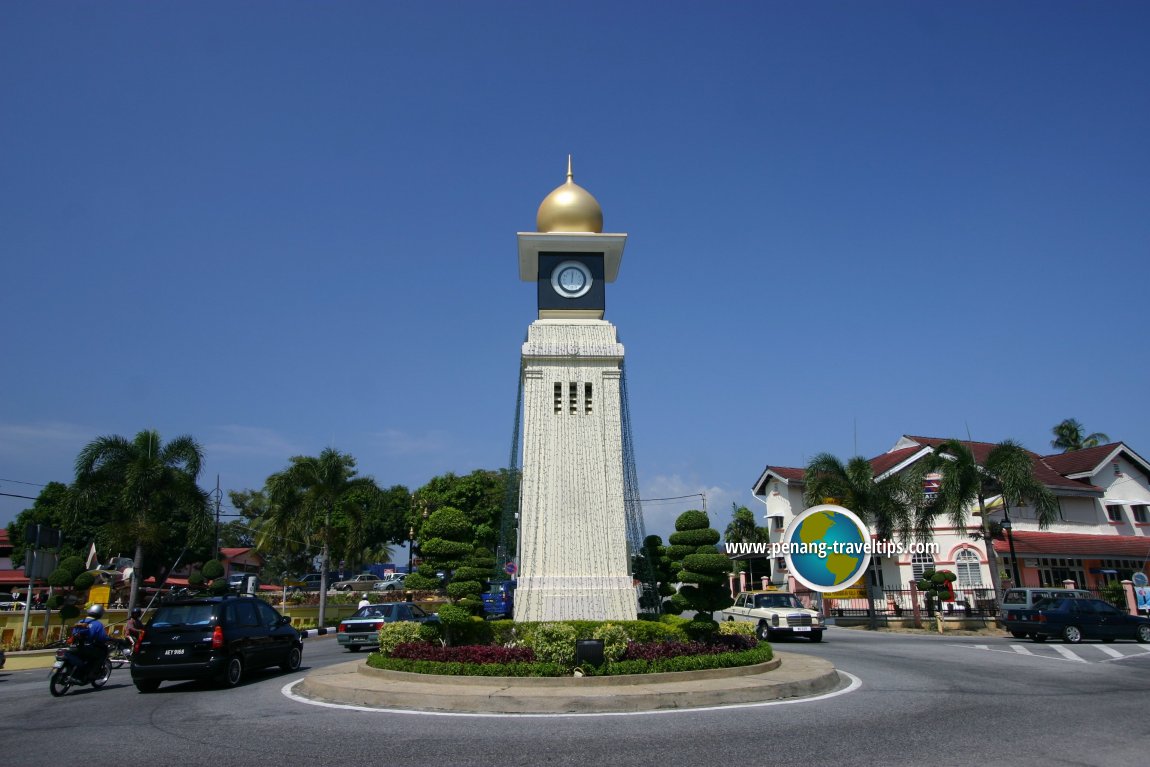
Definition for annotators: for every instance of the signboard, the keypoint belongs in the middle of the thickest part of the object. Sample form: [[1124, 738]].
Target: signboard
[[1142, 599], [1140, 579], [99, 595], [846, 594]]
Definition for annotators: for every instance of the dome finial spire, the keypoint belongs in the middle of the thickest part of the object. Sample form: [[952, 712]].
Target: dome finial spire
[[569, 208]]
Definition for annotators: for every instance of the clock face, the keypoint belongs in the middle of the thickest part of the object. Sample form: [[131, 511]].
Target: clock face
[[571, 279]]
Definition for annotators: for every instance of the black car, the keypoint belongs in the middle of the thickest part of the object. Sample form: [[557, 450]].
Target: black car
[[1076, 619], [217, 638]]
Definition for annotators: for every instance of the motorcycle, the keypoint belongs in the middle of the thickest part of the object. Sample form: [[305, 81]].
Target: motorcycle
[[71, 669]]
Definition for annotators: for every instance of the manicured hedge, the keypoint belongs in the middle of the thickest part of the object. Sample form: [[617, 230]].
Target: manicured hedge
[[760, 654]]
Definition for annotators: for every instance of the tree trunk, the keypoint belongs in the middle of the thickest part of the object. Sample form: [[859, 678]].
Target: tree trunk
[[871, 584], [137, 576], [991, 555], [323, 584]]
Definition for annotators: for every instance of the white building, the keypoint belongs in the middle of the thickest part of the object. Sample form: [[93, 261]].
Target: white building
[[1103, 496]]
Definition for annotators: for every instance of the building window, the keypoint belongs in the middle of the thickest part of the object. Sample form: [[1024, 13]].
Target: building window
[[919, 564], [587, 398], [1114, 513], [968, 572], [1140, 513], [778, 522], [573, 398], [780, 563], [558, 398]]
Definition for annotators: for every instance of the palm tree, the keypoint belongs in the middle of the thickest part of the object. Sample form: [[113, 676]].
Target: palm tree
[[742, 529], [154, 484], [1068, 436], [886, 505], [315, 499], [1008, 472]]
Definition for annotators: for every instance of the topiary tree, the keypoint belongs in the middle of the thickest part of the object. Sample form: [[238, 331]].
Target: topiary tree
[[444, 547], [703, 572], [469, 578], [65, 574], [936, 585]]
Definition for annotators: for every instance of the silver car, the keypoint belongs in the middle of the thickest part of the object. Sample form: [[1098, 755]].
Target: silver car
[[362, 628]]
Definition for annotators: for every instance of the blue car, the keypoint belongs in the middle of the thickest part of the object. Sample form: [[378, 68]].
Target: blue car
[[1073, 620]]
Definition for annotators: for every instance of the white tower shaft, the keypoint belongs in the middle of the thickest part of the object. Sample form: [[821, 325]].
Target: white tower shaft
[[573, 558]]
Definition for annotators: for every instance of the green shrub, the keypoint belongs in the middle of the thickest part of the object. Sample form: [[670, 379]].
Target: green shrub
[[554, 643], [430, 632], [614, 638], [737, 628], [760, 654], [701, 628], [391, 635], [212, 569], [196, 579], [84, 581]]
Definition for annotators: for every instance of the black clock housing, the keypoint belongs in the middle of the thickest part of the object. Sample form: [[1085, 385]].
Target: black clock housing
[[593, 301]]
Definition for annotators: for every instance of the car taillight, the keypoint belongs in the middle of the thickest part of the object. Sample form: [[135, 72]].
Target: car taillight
[[218, 638], [343, 628], [380, 625], [1040, 618], [139, 638]]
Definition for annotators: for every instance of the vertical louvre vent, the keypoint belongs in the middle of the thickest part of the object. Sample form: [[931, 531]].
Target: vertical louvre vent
[[573, 398], [587, 398], [558, 398]]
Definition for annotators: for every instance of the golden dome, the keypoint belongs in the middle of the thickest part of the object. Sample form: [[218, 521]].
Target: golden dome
[[569, 208]]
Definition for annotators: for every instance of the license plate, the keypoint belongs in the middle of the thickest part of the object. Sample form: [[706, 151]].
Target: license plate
[[58, 664], [173, 652], [802, 628]]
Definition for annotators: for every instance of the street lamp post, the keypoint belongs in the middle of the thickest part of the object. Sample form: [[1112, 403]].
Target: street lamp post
[[410, 547], [1008, 527]]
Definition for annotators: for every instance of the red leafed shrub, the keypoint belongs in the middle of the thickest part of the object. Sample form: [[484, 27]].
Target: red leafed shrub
[[463, 654], [662, 650]]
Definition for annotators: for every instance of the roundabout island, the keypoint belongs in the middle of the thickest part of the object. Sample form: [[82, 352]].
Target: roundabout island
[[355, 684]]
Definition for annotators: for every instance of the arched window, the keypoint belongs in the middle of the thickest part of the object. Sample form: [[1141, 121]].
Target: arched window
[[920, 563], [969, 573]]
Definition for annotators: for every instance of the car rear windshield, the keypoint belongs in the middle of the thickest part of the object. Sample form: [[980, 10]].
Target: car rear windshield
[[183, 615], [375, 611]]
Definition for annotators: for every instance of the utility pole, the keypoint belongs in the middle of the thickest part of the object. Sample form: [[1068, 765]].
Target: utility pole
[[216, 539]]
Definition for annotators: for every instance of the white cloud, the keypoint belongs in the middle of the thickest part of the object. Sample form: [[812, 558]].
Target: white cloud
[[396, 443], [663, 502], [43, 438], [236, 440]]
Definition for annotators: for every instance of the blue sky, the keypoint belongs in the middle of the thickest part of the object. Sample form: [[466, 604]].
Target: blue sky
[[284, 226]]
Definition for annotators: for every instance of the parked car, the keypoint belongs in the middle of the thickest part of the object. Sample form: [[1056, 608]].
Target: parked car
[[1018, 599], [776, 614], [1, 657], [361, 582], [310, 582], [1075, 619], [362, 628], [218, 638], [393, 582]]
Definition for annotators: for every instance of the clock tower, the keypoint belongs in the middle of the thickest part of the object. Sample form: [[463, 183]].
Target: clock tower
[[574, 559]]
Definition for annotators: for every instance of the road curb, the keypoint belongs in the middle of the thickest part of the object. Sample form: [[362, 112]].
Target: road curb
[[353, 683], [309, 633]]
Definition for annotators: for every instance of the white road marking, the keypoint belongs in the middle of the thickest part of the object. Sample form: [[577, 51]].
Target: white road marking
[[1068, 654], [1020, 649], [1110, 651], [855, 684]]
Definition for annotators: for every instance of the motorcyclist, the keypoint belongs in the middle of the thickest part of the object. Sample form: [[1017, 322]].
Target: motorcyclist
[[134, 627], [91, 637]]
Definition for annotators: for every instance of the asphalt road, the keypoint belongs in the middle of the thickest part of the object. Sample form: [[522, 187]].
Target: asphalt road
[[922, 700]]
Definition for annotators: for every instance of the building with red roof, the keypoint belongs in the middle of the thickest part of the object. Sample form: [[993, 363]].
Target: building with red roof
[[1102, 532]]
